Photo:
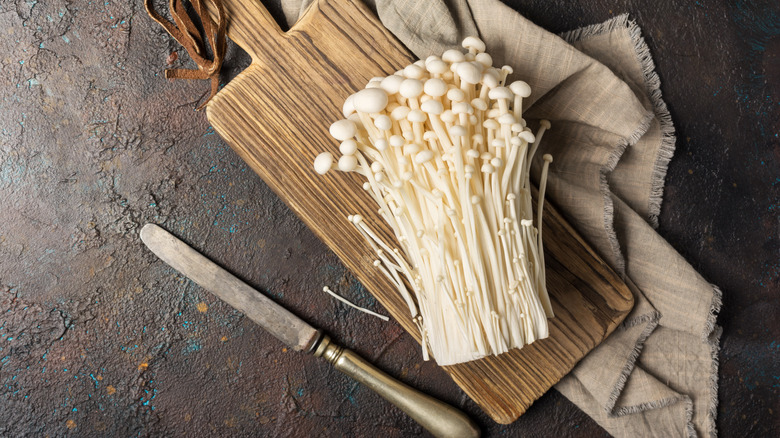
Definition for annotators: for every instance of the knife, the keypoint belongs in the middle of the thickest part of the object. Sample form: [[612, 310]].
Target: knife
[[439, 418]]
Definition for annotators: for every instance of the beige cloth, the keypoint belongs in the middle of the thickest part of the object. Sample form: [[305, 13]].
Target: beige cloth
[[612, 138]]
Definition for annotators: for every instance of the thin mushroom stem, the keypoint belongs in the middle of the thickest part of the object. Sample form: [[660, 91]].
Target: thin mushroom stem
[[543, 296]]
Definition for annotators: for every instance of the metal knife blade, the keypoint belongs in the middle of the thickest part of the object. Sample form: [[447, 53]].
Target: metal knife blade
[[274, 318]]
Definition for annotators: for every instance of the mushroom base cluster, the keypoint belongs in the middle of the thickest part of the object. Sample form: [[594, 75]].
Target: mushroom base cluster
[[446, 155]]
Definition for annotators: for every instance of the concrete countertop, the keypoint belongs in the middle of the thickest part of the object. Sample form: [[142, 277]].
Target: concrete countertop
[[99, 338]]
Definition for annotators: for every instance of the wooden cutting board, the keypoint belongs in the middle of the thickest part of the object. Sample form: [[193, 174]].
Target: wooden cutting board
[[276, 116]]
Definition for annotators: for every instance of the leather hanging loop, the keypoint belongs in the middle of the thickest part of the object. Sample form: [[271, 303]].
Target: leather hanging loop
[[186, 33]]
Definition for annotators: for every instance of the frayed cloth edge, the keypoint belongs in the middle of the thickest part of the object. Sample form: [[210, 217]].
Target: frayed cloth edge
[[609, 207], [651, 319], [668, 135], [653, 89]]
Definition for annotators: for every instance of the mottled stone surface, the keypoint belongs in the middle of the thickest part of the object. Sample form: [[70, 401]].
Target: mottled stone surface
[[99, 338]]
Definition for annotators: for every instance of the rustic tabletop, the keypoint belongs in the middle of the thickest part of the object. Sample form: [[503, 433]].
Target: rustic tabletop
[[99, 338]]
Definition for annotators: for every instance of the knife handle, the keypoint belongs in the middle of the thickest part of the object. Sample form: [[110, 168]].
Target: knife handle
[[439, 418]]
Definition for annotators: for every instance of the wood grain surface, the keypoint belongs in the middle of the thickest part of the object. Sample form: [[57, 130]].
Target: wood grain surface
[[276, 114]]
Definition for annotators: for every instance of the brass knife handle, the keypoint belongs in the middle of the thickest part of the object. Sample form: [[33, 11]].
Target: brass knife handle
[[439, 418]]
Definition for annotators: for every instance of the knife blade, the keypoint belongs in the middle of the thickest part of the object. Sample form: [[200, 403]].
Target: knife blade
[[439, 418], [275, 319]]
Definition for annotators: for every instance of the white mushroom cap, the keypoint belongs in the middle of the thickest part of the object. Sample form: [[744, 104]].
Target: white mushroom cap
[[507, 119], [547, 157], [435, 87], [520, 88], [411, 88], [472, 153], [400, 113], [453, 55], [456, 95], [392, 83], [383, 123], [416, 116], [348, 108], [323, 163], [437, 67], [347, 163], [484, 59], [544, 123], [490, 79], [348, 147], [432, 107], [469, 72], [458, 131], [479, 104], [430, 135], [397, 141], [527, 136], [473, 43], [431, 58], [411, 148], [414, 71], [343, 129], [462, 108], [447, 116], [423, 156], [380, 144], [370, 100], [500, 93], [490, 124]]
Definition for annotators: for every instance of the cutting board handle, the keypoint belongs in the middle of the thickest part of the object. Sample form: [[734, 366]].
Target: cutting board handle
[[251, 26]]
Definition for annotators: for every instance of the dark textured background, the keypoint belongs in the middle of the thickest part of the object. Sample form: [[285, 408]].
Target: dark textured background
[[99, 338]]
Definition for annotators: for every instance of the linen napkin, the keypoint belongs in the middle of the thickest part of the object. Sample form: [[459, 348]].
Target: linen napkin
[[612, 138]]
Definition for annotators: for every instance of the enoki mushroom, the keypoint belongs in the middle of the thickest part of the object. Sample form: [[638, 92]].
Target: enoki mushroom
[[446, 156]]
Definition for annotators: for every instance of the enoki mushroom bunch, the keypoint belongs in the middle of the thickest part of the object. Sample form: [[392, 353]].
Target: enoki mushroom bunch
[[446, 156]]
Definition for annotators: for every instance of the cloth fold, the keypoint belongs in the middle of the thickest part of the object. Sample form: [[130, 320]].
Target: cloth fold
[[612, 138]]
